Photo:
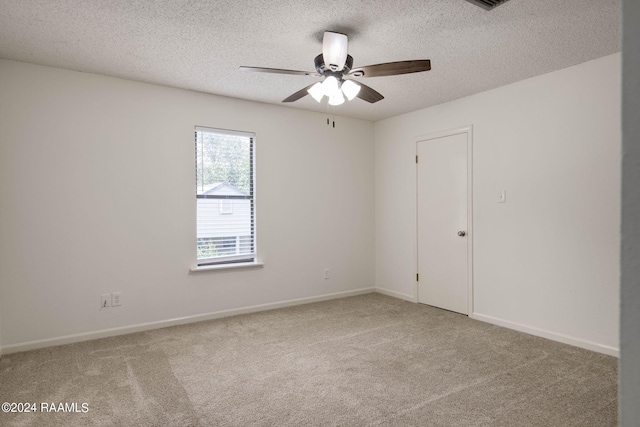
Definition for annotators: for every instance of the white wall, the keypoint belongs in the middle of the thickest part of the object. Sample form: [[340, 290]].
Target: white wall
[[97, 195], [546, 262], [629, 372]]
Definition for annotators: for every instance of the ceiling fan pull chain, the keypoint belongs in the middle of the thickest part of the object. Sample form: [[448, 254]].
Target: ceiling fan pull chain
[[331, 120], [330, 113]]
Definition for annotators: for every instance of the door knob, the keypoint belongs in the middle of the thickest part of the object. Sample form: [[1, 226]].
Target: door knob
[[462, 233]]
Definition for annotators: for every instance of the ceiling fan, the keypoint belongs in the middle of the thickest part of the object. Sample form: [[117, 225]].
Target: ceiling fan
[[336, 66]]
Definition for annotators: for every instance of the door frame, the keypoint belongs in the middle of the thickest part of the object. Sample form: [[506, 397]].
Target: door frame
[[468, 130]]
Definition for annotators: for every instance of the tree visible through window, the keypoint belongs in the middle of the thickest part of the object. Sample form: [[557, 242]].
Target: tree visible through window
[[225, 197]]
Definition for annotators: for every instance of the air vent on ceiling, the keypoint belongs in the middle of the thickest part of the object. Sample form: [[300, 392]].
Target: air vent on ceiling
[[487, 4]]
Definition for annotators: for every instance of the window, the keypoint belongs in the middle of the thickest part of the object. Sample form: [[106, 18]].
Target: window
[[226, 207], [225, 216]]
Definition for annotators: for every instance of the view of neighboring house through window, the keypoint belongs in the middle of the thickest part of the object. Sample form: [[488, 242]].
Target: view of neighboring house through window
[[225, 197]]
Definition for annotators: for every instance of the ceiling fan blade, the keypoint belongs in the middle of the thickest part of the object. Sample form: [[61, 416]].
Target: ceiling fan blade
[[299, 94], [368, 94], [279, 71], [334, 50], [392, 68]]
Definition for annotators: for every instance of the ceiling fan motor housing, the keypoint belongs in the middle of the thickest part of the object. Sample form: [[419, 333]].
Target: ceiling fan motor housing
[[321, 68]]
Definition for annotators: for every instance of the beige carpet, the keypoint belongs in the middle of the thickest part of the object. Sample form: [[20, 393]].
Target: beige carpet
[[369, 360]]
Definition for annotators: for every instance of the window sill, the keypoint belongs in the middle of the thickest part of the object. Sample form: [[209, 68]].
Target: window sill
[[203, 268]]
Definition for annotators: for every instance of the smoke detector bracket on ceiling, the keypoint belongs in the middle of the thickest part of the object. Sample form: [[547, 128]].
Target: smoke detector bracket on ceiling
[[487, 4]]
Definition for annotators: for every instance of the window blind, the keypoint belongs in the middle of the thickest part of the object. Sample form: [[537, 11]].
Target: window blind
[[225, 217]]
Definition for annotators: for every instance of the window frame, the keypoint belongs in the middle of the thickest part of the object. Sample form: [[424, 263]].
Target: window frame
[[230, 261]]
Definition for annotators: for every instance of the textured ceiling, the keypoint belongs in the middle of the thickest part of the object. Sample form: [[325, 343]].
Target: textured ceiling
[[199, 44]]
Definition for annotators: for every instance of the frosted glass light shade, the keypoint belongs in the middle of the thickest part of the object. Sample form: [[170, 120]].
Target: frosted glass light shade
[[350, 89], [334, 50], [336, 99], [316, 91], [330, 86]]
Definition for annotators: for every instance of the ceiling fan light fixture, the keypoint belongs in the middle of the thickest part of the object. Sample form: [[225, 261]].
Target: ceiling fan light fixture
[[333, 65], [350, 89], [316, 91], [330, 86], [334, 50], [336, 99]]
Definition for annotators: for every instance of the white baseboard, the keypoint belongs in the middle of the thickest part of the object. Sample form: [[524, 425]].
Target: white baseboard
[[105, 333], [395, 294], [577, 342]]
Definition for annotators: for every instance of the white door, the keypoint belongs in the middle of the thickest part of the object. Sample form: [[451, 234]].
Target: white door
[[442, 197]]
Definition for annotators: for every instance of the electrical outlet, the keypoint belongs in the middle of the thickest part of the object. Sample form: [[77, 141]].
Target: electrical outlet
[[116, 299], [105, 301], [326, 273]]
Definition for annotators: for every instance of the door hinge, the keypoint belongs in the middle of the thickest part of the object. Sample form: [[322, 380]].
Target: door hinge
[[416, 159], [417, 277]]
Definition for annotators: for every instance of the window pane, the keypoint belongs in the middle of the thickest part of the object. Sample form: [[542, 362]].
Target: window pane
[[224, 195]]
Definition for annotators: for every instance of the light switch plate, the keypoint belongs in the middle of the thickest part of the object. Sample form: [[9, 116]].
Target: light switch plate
[[105, 301], [502, 196]]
